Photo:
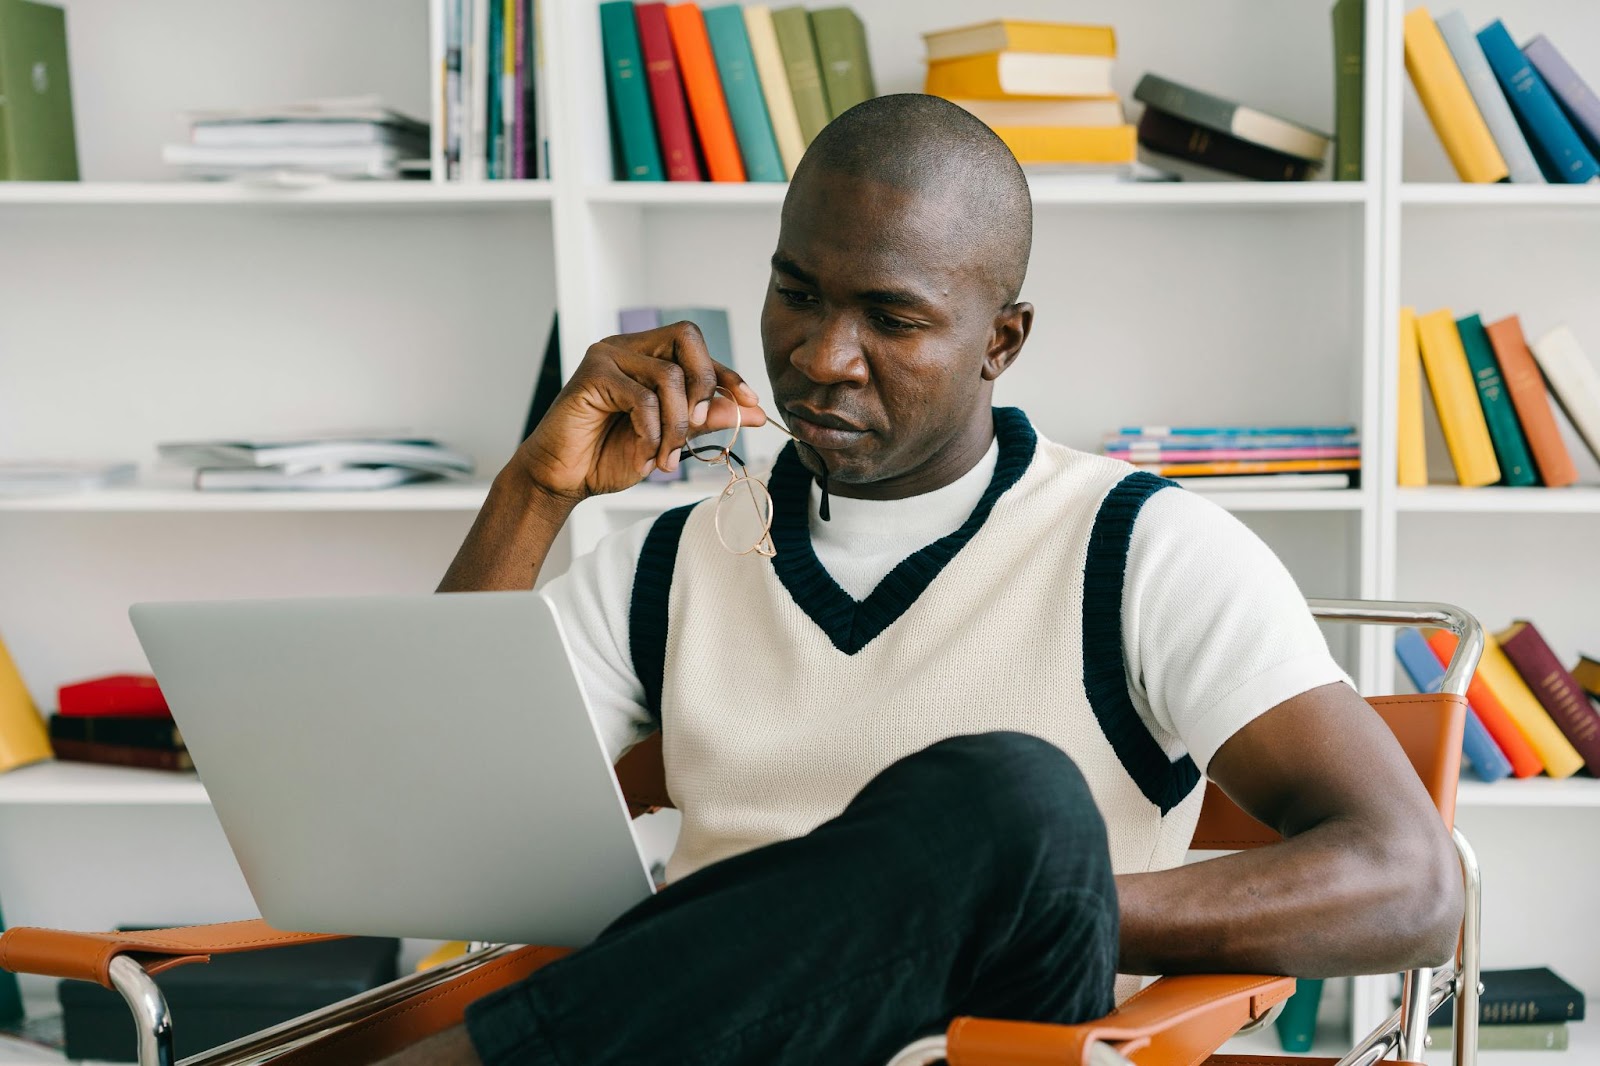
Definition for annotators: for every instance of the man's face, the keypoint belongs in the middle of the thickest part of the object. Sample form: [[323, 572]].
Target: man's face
[[876, 326]]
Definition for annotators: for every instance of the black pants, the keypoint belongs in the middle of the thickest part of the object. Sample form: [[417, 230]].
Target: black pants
[[971, 877]]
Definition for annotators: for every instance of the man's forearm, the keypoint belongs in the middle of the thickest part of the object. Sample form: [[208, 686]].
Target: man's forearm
[[510, 538], [1325, 903]]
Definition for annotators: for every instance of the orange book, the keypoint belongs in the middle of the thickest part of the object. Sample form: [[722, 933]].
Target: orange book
[[1528, 396], [1491, 712], [706, 102], [1250, 466]]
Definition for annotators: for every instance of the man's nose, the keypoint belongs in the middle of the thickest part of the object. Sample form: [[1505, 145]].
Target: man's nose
[[831, 354]]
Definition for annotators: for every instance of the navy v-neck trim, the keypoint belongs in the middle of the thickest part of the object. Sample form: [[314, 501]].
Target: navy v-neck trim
[[852, 624]]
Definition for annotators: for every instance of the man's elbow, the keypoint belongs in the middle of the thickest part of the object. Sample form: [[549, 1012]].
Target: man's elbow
[[1431, 899]]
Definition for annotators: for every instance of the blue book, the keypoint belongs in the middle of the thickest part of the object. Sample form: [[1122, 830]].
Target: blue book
[[1427, 674], [633, 128], [741, 86], [1552, 137], [1236, 431]]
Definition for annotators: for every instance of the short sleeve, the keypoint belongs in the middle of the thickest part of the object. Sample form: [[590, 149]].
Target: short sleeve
[[1215, 630], [591, 599]]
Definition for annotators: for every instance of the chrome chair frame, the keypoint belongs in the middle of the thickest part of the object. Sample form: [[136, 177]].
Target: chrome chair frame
[[1405, 1031]]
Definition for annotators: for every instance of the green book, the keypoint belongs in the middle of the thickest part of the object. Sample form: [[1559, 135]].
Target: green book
[[1349, 33], [747, 105], [37, 142], [1526, 1036], [799, 48], [842, 56], [1516, 466], [10, 993], [1297, 1024], [635, 154]]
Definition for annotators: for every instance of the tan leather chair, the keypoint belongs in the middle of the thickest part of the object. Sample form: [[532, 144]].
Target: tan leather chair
[[1176, 1021]]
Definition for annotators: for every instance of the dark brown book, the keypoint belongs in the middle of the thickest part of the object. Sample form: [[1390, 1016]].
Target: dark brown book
[[1162, 132], [121, 755], [1557, 691], [159, 733], [1587, 675]]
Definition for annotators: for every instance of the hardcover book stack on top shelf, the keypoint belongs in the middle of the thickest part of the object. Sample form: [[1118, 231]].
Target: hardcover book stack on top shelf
[[118, 720], [730, 93], [1530, 1009], [1201, 127], [1503, 113], [1488, 386]]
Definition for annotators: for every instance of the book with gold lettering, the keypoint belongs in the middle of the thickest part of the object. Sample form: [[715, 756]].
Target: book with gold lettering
[[1557, 691]]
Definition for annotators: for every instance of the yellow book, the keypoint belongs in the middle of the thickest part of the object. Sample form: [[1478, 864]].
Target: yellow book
[[1455, 397], [1013, 75], [1560, 758], [1016, 35], [1070, 144], [23, 738], [775, 86], [1413, 454], [1444, 95]]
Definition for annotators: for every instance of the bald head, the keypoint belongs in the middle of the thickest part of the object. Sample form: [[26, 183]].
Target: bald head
[[940, 152]]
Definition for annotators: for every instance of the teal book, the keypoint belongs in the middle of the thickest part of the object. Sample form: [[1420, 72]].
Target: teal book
[[741, 85], [1510, 447], [1297, 1025], [495, 154], [842, 57], [10, 993], [634, 151]]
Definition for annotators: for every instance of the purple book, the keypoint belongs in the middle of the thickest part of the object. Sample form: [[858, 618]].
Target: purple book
[[519, 128], [1574, 94], [638, 319]]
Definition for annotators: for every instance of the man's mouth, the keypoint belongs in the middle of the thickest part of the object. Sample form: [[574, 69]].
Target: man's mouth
[[822, 429]]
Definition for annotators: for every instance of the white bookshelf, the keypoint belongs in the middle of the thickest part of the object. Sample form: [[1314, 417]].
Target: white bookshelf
[[128, 317]]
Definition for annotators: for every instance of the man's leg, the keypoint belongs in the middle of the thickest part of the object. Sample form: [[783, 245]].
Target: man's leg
[[971, 877]]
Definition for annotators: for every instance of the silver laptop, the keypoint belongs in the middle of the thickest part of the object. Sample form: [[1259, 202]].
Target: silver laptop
[[402, 765]]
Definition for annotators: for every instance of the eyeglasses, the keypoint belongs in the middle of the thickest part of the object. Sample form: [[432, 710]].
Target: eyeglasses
[[743, 514]]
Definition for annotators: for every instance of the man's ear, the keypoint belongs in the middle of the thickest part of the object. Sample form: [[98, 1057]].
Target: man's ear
[[1011, 327]]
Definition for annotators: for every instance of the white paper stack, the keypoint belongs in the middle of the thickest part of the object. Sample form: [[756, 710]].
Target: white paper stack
[[322, 462], [349, 137]]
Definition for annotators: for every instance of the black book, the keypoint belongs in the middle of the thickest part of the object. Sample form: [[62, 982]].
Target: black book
[[548, 382], [158, 733], [1516, 997], [1162, 132]]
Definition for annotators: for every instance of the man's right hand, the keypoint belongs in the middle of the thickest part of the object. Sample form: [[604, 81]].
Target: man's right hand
[[629, 408]]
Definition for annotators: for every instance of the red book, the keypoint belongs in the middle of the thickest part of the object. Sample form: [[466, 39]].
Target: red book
[[1491, 712], [678, 150], [706, 99], [132, 695], [1555, 688]]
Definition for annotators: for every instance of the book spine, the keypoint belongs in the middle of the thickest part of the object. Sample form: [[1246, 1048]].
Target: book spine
[[1560, 758], [134, 732], [1413, 458], [519, 94], [494, 145], [730, 46], [1236, 431], [1297, 1024], [842, 57], [1427, 674], [1349, 44], [775, 86], [1567, 704], [122, 755], [1574, 94], [1564, 151], [666, 94], [1205, 455], [1455, 397], [1532, 402], [438, 75], [1239, 466], [135, 698], [1587, 674], [1163, 132], [1448, 102], [630, 97], [1510, 449], [507, 83], [793, 28], [1236, 120], [475, 149], [452, 89], [706, 101], [1491, 101], [1491, 712], [23, 738], [1526, 1036], [1070, 144], [1573, 381]]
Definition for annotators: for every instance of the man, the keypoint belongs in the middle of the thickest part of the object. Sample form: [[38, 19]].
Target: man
[[941, 754]]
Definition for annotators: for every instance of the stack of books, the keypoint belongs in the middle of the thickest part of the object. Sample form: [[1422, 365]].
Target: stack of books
[[1519, 1010], [22, 477], [118, 720], [1502, 112], [354, 137], [1224, 135], [488, 112], [731, 93], [1489, 392], [1526, 714], [1043, 87], [1243, 457], [331, 462]]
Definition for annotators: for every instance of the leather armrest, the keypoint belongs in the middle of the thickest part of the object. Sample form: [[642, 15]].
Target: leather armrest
[[87, 956], [1176, 1021]]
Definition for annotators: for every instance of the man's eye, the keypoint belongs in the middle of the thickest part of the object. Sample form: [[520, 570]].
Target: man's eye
[[794, 297], [893, 324]]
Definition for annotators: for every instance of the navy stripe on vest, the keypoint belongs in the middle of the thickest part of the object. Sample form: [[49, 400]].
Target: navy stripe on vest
[[1163, 782], [647, 610]]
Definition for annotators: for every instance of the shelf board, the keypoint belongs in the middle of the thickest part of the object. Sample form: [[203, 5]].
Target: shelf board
[[355, 193], [1045, 191], [431, 496], [1461, 194], [1308, 500], [1575, 499], [1529, 792], [84, 784]]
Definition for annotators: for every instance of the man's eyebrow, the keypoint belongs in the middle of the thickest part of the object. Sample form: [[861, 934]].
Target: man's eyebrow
[[784, 265], [889, 297]]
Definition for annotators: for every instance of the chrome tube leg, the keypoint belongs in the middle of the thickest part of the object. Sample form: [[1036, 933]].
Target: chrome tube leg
[[151, 1018], [1414, 1012], [1468, 973]]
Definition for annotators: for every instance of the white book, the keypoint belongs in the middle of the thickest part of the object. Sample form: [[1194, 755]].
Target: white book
[[227, 479], [1491, 101], [775, 85], [1266, 482], [437, 122], [475, 71], [309, 454], [367, 108], [28, 477], [1040, 74], [1574, 382], [1069, 112], [307, 134]]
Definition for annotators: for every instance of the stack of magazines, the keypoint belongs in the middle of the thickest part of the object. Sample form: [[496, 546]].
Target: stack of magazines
[[332, 462], [352, 137], [1243, 457]]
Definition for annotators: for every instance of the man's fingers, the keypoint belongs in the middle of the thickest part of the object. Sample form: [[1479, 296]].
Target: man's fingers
[[666, 381]]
